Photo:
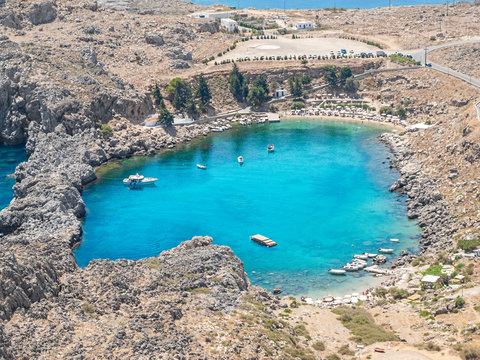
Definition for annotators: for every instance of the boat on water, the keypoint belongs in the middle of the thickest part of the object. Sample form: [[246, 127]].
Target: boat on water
[[394, 240], [361, 256], [203, 167], [370, 255], [351, 267], [337, 272], [240, 160], [385, 251], [270, 148], [138, 179]]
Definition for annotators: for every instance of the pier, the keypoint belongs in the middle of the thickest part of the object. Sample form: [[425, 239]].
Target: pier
[[263, 240]]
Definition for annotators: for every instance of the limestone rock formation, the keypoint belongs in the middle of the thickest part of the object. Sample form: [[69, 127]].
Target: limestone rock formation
[[42, 13], [154, 39]]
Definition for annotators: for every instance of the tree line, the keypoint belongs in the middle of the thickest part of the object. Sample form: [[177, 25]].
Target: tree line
[[183, 97]]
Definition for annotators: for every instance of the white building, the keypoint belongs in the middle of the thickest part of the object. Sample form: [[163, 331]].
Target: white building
[[218, 15], [228, 24], [300, 25], [280, 93]]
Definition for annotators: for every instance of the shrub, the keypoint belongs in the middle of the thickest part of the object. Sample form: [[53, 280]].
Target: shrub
[[105, 129], [434, 270], [362, 325], [398, 293], [88, 309], [319, 346], [470, 353], [459, 302], [345, 350], [468, 245], [432, 347], [333, 357], [297, 105], [387, 110]]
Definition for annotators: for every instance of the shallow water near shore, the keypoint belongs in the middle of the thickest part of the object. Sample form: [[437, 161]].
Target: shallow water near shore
[[10, 157], [322, 196]]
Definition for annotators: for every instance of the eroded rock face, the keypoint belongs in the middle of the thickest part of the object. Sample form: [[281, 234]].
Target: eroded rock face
[[9, 19], [42, 13]]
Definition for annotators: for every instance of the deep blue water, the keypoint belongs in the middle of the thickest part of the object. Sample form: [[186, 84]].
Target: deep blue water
[[315, 4], [10, 157], [323, 190]]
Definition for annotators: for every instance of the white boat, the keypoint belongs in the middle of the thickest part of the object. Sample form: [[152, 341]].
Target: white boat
[[217, 130], [270, 148], [203, 167], [138, 179], [394, 240], [240, 160], [351, 267], [385, 251], [362, 256], [371, 255], [337, 271]]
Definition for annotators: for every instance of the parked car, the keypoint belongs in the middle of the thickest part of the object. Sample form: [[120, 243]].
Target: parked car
[[344, 51]]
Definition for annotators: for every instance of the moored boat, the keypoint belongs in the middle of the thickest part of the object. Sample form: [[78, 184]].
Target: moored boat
[[270, 148], [351, 267], [240, 160], [138, 179], [203, 167], [394, 240], [361, 256], [385, 251], [337, 271]]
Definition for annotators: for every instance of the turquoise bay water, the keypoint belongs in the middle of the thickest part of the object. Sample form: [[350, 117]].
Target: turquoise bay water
[[315, 4], [10, 157], [323, 190]]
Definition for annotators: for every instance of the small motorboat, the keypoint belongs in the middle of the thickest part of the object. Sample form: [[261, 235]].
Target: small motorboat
[[385, 251], [370, 255], [203, 167], [138, 179], [240, 160], [361, 256], [351, 267], [394, 240], [337, 271], [270, 148]]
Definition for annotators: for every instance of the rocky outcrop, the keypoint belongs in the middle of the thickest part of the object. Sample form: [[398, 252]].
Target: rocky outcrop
[[42, 13], [154, 39], [9, 19], [149, 303], [425, 201], [211, 26]]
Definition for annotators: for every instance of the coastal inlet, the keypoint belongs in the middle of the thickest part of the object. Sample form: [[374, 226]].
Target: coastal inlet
[[322, 196]]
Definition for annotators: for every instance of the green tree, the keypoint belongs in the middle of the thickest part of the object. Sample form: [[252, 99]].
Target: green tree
[[401, 111], [203, 91], [345, 73], [261, 81], [238, 86], [157, 95], [351, 85], [295, 86], [306, 79], [330, 75], [180, 92], [165, 117], [256, 95]]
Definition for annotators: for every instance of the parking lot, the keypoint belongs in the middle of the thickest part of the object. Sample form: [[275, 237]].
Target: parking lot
[[284, 46]]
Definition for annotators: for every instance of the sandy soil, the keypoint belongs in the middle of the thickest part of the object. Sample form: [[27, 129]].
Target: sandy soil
[[287, 46]]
